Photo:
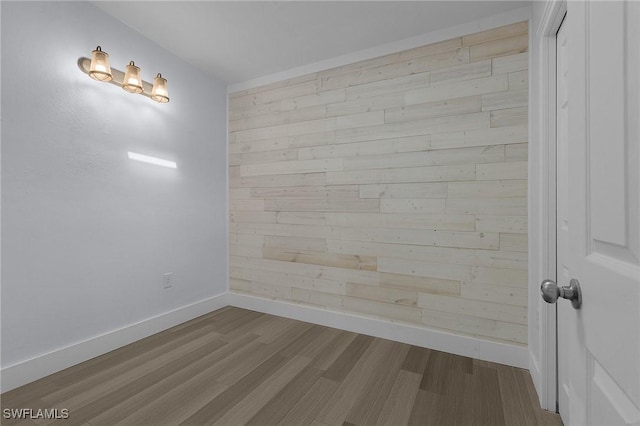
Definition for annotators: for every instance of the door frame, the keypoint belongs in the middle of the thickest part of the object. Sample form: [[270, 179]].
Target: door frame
[[542, 210]]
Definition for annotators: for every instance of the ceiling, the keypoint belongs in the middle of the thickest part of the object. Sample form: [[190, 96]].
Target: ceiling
[[238, 41]]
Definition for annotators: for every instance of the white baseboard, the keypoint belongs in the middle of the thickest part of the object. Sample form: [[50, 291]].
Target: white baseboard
[[41, 366], [501, 353]]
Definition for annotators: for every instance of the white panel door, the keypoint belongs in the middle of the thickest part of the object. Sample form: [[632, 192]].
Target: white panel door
[[598, 213]]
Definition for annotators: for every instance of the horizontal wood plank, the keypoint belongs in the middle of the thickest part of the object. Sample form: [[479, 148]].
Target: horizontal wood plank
[[388, 146], [514, 206], [500, 47], [517, 98], [456, 106], [291, 167], [512, 224], [323, 205], [507, 117], [312, 100], [438, 238], [392, 85], [437, 205], [502, 259], [405, 175], [488, 188], [516, 152], [295, 179], [510, 63], [426, 126], [426, 253], [348, 261], [514, 242], [404, 190], [505, 31], [509, 170], [461, 72], [480, 137], [443, 222], [448, 271], [458, 89]]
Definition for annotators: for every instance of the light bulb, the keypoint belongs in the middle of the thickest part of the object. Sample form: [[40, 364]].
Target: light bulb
[[159, 92], [99, 68], [132, 82]]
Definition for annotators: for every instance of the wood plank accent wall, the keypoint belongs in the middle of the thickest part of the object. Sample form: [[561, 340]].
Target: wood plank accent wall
[[394, 187]]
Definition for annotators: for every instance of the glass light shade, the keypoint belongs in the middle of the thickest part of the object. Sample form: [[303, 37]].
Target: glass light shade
[[159, 92], [132, 82], [99, 68]]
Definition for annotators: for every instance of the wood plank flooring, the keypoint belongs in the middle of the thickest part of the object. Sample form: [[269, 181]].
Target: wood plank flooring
[[237, 367]]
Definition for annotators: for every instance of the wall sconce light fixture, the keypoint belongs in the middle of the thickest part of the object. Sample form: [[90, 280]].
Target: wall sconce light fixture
[[99, 69]]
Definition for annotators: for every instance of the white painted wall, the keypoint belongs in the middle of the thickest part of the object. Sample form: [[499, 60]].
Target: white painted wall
[[86, 232]]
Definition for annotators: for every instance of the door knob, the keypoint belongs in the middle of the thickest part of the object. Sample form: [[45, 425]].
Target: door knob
[[550, 292]]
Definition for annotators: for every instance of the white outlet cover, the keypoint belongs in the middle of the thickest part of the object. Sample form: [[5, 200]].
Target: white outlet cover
[[167, 279]]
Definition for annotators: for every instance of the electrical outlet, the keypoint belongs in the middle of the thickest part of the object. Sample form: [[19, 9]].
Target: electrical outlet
[[167, 280]]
